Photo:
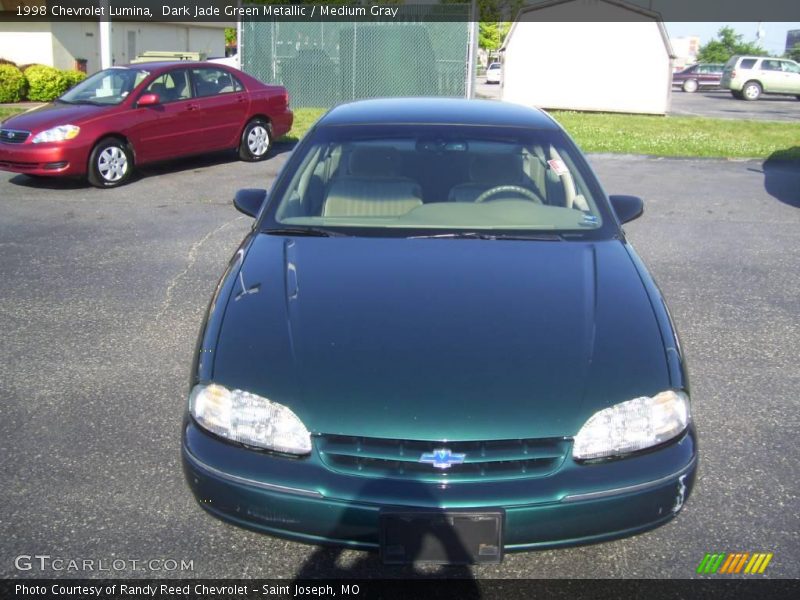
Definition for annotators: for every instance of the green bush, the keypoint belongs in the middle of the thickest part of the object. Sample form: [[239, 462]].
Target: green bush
[[73, 78], [12, 84], [45, 83]]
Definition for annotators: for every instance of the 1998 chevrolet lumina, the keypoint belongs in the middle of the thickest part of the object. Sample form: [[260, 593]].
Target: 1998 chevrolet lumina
[[436, 342]]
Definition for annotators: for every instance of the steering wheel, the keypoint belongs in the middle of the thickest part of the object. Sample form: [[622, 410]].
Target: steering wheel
[[502, 189]]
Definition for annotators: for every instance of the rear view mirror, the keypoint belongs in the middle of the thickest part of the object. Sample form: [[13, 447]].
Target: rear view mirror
[[627, 208], [249, 201]]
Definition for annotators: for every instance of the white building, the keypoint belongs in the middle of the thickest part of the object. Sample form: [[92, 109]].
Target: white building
[[62, 44], [685, 49], [618, 60]]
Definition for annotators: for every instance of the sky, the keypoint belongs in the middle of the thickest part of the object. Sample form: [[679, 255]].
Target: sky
[[774, 40]]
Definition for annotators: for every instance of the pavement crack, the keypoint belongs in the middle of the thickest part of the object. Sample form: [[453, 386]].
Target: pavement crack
[[191, 259]]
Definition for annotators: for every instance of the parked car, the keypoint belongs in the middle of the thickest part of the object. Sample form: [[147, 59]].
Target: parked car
[[133, 115], [494, 72], [747, 77], [437, 330], [698, 76]]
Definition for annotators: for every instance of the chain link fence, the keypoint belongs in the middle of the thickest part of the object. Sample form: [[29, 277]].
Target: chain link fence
[[325, 63]]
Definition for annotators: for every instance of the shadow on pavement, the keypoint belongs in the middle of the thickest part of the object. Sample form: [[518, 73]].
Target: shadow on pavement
[[782, 176], [48, 183], [355, 523], [206, 160]]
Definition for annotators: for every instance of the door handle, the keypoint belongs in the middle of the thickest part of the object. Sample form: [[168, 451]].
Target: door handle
[[241, 99], [193, 107]]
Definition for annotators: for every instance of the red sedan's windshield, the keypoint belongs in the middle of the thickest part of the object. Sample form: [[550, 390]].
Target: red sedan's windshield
[[111, 86]]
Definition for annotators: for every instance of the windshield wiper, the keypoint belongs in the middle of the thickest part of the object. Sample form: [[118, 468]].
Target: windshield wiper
[[305, 231], [477, 235], [536, 237]]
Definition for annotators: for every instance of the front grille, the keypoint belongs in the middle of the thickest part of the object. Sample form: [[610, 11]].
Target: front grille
[[400, 459], [13, 136]]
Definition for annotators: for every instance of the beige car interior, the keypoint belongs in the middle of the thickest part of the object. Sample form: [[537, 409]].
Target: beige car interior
[[370, 181], [372, 186]]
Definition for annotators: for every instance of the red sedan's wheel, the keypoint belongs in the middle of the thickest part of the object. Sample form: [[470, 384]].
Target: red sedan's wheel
[[256, 141], [110, 164]]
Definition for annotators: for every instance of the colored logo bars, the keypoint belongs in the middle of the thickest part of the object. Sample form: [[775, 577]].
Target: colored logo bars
[[722, 563]]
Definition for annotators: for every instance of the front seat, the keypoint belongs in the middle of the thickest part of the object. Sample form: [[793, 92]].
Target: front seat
[[160, 90], [372, 186], [487, 171]]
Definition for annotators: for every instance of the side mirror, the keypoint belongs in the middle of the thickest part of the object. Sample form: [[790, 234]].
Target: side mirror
[[148, 100], [627, 208], [249, 201]]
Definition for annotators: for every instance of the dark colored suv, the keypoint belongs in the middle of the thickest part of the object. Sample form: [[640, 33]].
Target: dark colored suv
[[697, 76]]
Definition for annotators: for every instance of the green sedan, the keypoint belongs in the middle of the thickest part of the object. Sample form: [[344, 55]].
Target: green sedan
[[437, 343]]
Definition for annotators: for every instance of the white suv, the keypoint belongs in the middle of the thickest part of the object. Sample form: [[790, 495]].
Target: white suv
[[747, 77]]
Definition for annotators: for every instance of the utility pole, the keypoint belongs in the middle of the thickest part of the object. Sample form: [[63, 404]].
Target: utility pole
[[105, 36], [472, 49]]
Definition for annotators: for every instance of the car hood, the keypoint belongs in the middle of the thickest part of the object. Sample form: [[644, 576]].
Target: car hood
[[55, 114], [440, 339]]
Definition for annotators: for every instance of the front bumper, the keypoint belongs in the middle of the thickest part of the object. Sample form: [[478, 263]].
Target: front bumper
[[302, 499], [47, 159]]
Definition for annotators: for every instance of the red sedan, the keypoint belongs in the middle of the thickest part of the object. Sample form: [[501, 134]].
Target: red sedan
[[137, 114]]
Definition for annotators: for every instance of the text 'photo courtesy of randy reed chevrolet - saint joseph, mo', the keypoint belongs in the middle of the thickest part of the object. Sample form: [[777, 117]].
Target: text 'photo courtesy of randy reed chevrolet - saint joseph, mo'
[[186, 590]]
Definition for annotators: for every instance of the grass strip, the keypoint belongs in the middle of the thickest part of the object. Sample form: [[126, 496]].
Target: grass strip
[[682, 136], [689, 137], [6, 111]]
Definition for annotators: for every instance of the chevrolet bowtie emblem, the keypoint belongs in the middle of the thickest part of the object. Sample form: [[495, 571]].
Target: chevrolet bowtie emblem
[[442, 458]]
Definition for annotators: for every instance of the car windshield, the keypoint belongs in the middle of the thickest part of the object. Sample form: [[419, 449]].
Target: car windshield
[[427, 177], [111, 86]]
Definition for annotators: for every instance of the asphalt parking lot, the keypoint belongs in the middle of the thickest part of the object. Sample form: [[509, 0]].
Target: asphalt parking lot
[[717, 104], [103, 292]]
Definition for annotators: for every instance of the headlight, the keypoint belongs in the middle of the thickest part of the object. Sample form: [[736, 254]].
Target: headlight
[[250, 419], [633, 425], [57, 134]]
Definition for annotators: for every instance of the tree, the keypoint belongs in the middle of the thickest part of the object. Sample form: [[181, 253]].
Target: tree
[[794, 53], [230, 36], [728, 44], [495, 17], [491, 34]]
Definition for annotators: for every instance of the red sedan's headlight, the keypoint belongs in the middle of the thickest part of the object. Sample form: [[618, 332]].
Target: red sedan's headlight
[[56, 134]]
